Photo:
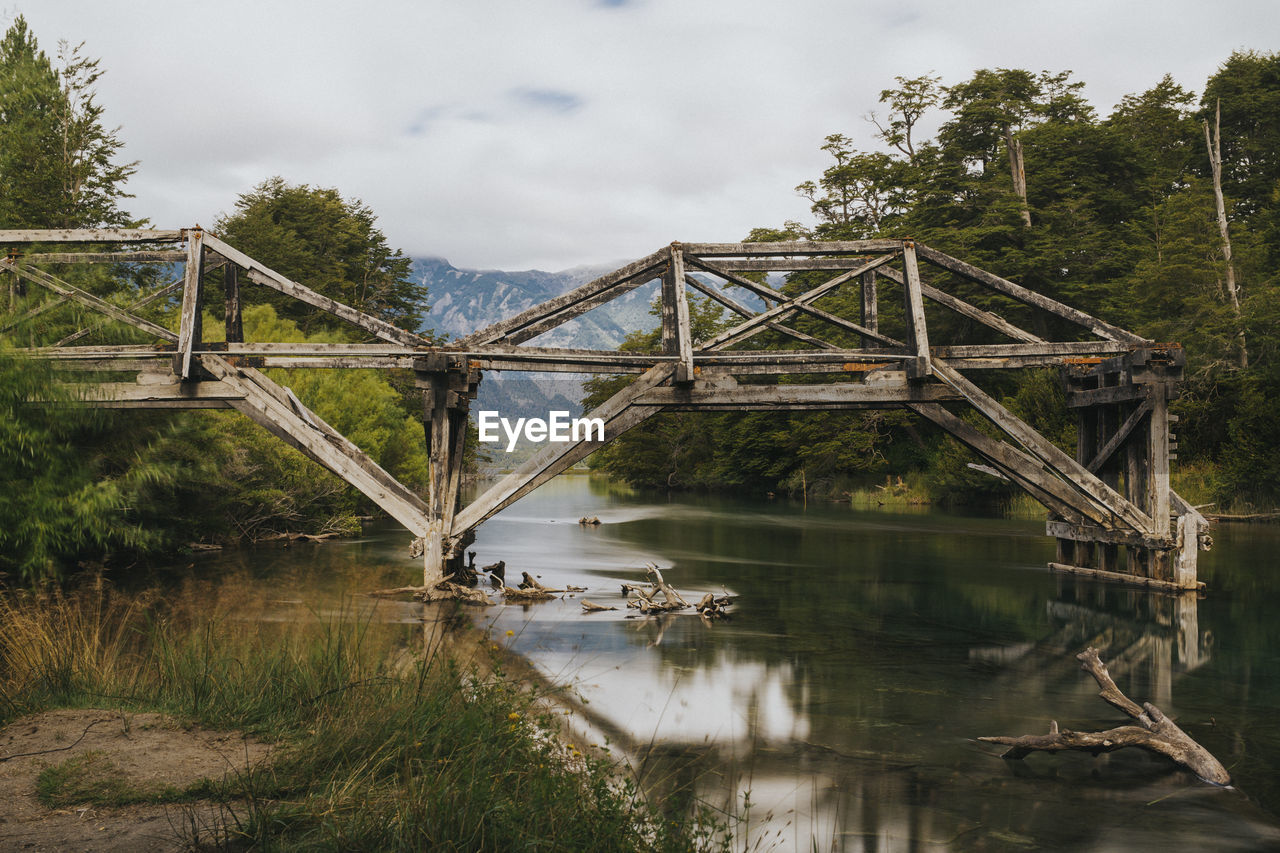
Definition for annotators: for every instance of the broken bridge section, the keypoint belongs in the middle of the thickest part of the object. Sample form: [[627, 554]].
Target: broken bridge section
[[857, 324]]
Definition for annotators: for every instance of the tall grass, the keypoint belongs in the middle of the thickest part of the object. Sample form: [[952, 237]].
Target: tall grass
[[385, 742]]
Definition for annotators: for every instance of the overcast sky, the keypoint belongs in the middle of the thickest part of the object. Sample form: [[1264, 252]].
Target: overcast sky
[[551, 133]]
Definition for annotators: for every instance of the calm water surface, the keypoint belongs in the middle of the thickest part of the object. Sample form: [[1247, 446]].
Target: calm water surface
[[838, 709]]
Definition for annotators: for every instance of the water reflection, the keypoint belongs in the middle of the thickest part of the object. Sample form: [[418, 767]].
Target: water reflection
[[838, 710]]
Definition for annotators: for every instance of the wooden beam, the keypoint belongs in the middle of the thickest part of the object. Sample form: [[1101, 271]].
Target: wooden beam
[[90, 235], [870, 305], [785, 396], [1043, 449], [865, 332], [831, 263], [569, 305], [1106, 396], [190, 332], [801, 248], [168, 257], [684, 332], [74, 293], [263, 275], [913, 308], [1043, 348], [1127, 580], [232, 313], [1093, 533], [1029, 297], [1121, 436], [619, 415], [100, 393]]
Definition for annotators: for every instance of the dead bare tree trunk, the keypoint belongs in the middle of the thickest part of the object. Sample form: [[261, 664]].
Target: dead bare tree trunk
[[1214, 143], [1018, 167], [1155, 732]]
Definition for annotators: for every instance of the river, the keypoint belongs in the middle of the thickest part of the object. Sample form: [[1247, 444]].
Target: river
[[838, 709]]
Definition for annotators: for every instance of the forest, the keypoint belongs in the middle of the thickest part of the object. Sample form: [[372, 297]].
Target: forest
[[1118, 215], [1162, 217]]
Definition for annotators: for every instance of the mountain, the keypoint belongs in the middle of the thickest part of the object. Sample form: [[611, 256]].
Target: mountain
[[464, 301]]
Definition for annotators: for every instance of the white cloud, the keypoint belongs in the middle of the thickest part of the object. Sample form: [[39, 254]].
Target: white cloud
[[501, 133]]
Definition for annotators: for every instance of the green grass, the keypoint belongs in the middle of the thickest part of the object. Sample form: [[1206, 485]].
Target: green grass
[[384, 743]]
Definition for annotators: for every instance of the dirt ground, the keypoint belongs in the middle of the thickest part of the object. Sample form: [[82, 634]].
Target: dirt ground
[[146, 750]]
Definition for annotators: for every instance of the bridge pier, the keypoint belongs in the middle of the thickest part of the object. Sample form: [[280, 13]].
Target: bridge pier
[[448, 387], [1121, 406]]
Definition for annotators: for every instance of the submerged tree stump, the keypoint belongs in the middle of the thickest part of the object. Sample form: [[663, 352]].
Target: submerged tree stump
[[1155, 732]]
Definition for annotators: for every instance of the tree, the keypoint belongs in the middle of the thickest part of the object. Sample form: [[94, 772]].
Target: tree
[[58, 163], [858, 194], [328, 243], [907, 104]]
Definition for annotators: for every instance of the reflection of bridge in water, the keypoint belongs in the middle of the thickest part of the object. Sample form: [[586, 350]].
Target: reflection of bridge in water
[[910, 346], [733, 729]]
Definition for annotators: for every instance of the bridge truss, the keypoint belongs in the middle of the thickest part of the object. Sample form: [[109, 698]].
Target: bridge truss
[[1110, 504]]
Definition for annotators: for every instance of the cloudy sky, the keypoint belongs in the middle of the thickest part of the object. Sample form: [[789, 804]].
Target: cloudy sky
[[551, 133]]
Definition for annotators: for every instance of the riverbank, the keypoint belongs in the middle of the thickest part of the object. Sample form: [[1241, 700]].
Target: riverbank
[[380, 736]]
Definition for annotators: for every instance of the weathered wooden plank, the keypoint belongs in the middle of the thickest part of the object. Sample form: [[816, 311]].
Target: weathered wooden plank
[[90, 235], [742, 310], [1158, 472], [913, 308], [1093, 533], [72, 292], [1127, 580], [783, 396], [190, 333], [742, 330], [1043, 449], [683, 331], [1029, 297], [721, 269], [792, 249], [1120, 437], [830, 263], [1053, 492], [618, 414], [1043, 348], [265, 276], [1110, 395], [870, 305], [172, 392], [167, 257], [232, 313], [566, 302]]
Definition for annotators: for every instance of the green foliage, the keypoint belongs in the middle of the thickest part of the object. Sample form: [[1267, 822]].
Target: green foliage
[[330, 244], [58, 163]]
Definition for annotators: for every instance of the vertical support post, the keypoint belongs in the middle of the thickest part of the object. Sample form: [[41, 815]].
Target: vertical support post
[[189, 331], [436, 420], [677, 334], [233, 316], [917, 333], [1158, 471], [870, 307]]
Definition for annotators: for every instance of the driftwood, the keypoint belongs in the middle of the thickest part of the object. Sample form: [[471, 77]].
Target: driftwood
[[538, 593], [592, 607], [449, 591], [710, 607], [591, 521], [1155, 732]]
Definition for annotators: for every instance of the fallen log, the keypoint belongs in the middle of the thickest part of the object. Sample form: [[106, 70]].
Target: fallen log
[[592, 607], [1155, 732]]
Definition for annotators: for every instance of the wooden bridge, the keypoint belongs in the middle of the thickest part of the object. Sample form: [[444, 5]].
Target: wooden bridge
[[1110, 506]]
